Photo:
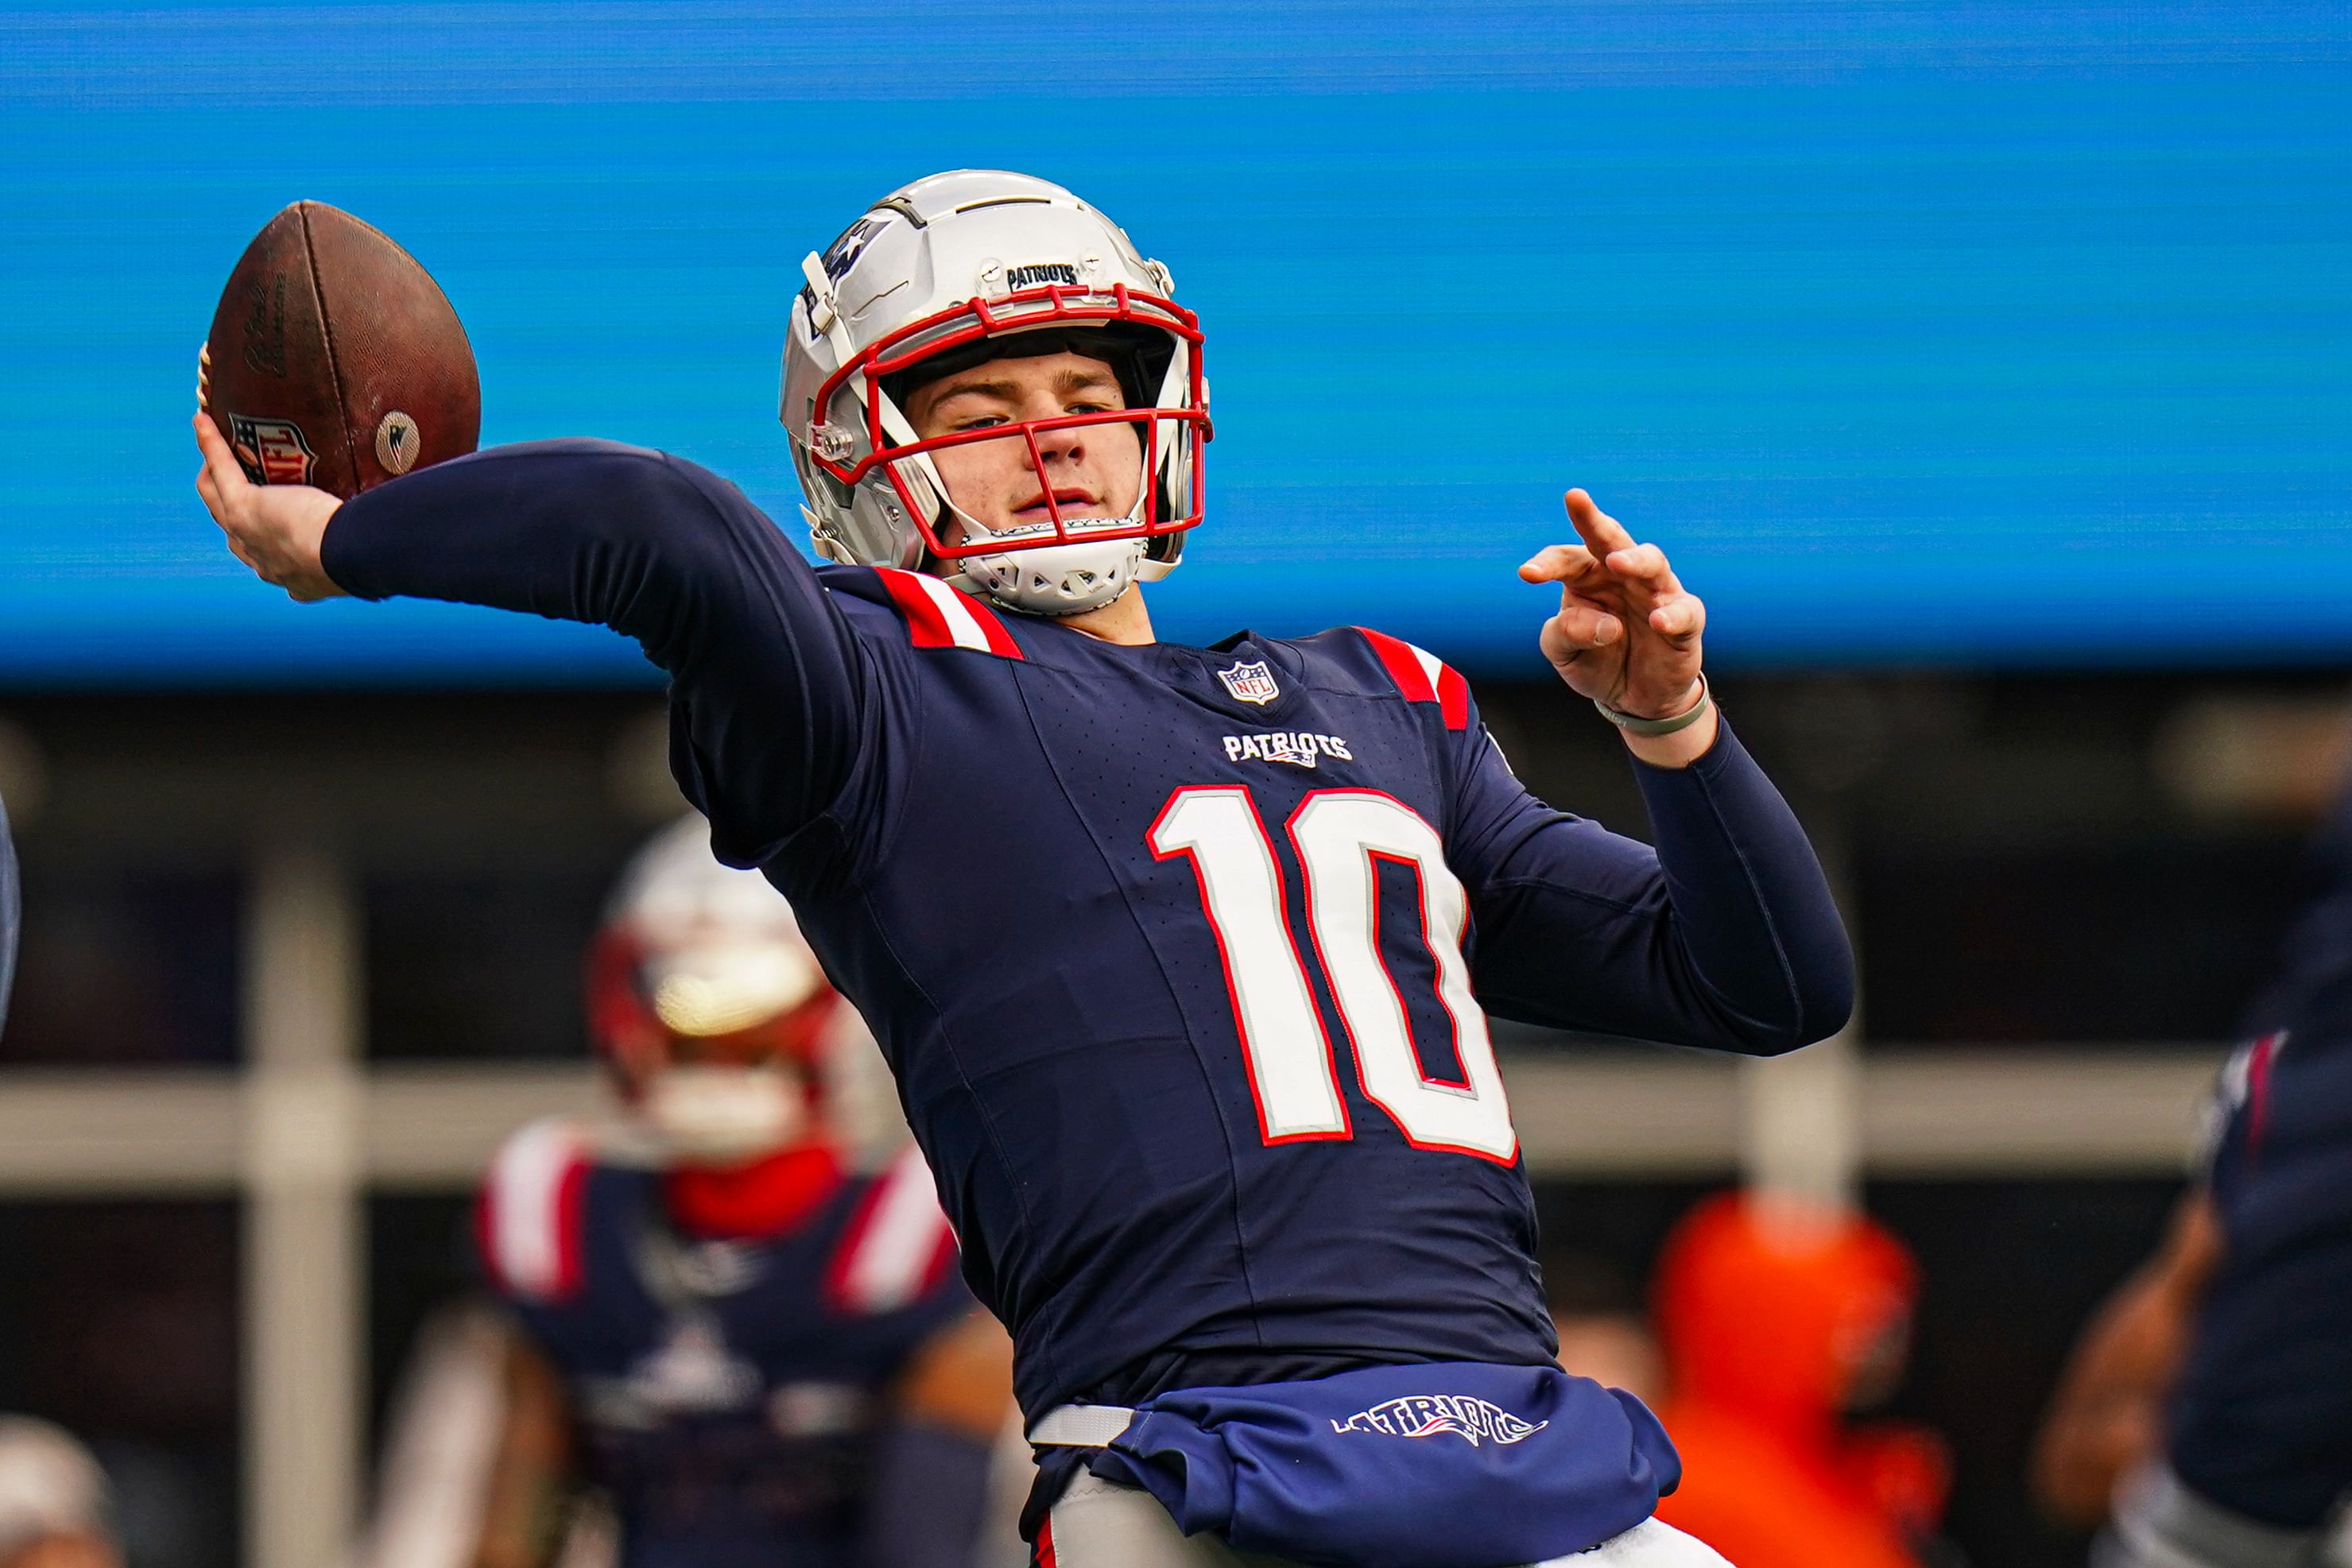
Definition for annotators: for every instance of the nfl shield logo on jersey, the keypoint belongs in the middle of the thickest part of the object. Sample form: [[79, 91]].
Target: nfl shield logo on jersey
[[1251, 683]]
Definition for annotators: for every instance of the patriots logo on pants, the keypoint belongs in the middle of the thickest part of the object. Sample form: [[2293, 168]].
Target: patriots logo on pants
[[1427, 1415]]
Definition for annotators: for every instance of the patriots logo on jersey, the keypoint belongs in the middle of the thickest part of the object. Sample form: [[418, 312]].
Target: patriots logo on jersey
[[1296, 747], [1427, 1415], [1251, 683]]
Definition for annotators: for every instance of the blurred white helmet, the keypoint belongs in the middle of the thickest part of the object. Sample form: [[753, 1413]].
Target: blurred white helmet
[[934, 277], [49, 1484], [707, 1003]]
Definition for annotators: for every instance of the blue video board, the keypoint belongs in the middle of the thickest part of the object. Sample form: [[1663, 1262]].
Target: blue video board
[[1974, 335]]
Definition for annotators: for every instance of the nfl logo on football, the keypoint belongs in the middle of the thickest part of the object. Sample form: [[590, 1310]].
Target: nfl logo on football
[[276, 444], [1251, 683]]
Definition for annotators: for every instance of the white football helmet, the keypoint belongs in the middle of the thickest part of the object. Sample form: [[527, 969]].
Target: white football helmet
[[933, 278], [700, 960]]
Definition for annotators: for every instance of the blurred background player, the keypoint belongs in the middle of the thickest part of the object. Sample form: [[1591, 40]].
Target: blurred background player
[[736, 1349], [52, 1501], [2209, 1402], [1778, 1317]]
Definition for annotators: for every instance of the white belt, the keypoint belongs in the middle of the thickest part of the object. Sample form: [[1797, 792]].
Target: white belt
[[1080, 1425]]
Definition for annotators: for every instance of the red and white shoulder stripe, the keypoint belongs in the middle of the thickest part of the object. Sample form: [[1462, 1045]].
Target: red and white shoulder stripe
[[937, 616], [1423, 677], [528, 1221], [2260, 1057], [897, 1244]]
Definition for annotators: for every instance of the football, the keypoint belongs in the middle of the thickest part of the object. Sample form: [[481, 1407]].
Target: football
[[335, 360]]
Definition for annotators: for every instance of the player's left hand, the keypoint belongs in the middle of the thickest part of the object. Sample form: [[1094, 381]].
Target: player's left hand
[[1628, 631]]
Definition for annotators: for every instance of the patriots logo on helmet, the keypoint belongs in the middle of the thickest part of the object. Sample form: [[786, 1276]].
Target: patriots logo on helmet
[[1043, 272], [1251, 683], [1427, 1415]]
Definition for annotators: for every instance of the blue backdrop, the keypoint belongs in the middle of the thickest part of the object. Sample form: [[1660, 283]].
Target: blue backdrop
[[1916, 333]]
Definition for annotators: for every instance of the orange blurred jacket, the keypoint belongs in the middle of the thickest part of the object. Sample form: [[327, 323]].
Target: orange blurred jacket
[[1768, 1315]]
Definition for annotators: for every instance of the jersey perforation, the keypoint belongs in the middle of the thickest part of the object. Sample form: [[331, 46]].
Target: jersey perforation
[[963, 1078], [1175, 1000], [895, 812], [1353, 647], [874, 629]]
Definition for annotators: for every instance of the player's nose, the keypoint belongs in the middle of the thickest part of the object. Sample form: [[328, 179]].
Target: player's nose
[[1068, 445]]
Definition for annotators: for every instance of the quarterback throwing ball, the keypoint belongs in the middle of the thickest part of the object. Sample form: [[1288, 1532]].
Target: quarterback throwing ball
[[1182, 955]]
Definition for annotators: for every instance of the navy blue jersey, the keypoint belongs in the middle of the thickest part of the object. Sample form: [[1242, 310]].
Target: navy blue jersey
[[1182, 955], [2262, 1417], [728, 1396]]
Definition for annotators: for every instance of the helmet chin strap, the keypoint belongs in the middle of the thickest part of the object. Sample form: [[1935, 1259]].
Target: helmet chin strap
[[1054, 579]]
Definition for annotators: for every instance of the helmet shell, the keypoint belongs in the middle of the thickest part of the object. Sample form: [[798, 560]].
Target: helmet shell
[[930, 267]]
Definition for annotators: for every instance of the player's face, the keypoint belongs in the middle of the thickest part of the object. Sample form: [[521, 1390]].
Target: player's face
[[720, 1101], [1094, 470]]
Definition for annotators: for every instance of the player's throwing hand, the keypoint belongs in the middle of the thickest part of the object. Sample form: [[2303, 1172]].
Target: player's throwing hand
[[1627, 633], [273, 528]]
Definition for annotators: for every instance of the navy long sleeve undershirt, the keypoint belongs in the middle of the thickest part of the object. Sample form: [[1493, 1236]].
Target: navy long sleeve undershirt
[[770, 697], [1724, 936]]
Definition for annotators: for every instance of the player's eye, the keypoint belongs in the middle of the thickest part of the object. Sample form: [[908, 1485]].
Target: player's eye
[[979, 422], [1084, 406]]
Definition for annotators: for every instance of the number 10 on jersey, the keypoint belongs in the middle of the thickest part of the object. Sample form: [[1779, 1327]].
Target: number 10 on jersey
[[1340, 838]]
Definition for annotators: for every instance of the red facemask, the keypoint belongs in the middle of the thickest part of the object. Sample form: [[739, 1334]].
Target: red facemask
[[925, 347]]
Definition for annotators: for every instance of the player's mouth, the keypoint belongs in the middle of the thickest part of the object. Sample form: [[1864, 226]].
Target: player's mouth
[[1066, 497]]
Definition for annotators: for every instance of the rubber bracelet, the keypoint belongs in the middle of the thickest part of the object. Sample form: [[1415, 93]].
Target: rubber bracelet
[[1633, 725]]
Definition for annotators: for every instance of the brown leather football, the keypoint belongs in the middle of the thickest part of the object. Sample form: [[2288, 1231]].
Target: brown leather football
[[335, 360]]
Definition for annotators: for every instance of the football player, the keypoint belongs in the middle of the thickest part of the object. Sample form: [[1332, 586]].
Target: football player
[[1182, 955], [2209, 1402], [753, 1355]]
